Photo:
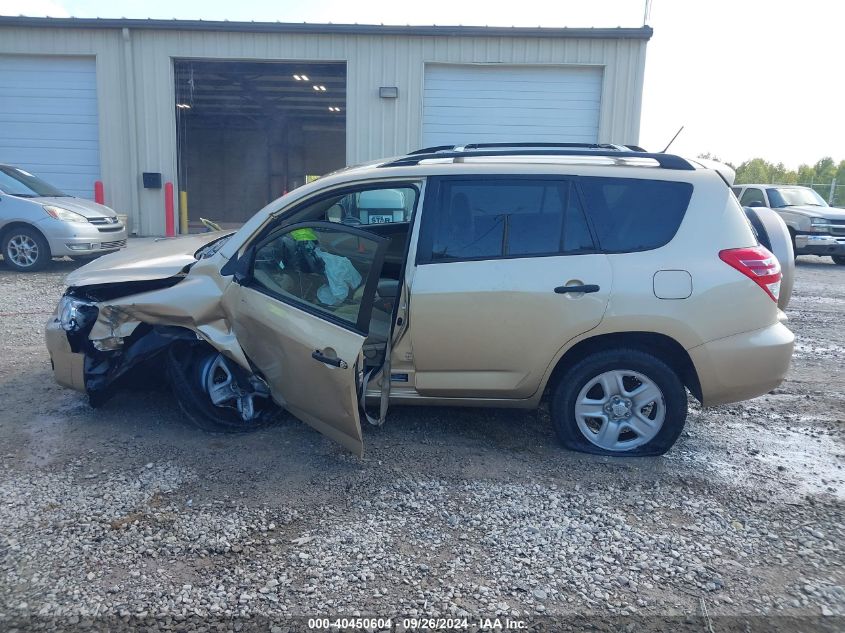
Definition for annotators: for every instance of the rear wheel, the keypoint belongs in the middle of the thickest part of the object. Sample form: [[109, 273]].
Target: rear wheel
[[839, 259], [215, 393], [25, 249], [619, 402]]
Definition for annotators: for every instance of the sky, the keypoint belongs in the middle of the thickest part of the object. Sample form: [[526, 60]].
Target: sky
[[746, 78]]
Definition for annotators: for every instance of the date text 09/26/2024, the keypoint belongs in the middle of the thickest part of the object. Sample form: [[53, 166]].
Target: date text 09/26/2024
[[417, 624]]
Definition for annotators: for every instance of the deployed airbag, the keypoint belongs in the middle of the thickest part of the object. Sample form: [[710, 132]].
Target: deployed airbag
[[341, 276]]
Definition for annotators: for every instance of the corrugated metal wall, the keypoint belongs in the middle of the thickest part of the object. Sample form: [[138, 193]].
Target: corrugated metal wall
[[136, 92]]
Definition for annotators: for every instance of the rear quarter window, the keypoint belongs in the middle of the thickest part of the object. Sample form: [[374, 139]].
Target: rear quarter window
[[633, 214]]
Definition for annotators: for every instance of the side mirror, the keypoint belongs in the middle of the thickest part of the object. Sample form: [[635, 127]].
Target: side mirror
[[239, 267], [243, 267]]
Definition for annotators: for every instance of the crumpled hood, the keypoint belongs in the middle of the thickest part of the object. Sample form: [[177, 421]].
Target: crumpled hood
[[831, 213], [85, 208], [145, 261]]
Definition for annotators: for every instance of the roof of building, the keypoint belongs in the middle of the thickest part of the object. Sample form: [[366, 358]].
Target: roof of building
[[640, 33]]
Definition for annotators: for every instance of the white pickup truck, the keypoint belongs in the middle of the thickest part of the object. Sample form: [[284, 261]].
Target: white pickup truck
[[815, 227]]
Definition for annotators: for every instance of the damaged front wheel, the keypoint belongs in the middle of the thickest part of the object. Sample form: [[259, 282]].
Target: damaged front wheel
[[215, 393]]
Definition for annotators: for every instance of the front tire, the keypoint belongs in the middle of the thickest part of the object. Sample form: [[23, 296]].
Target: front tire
[[838, 260], [215, 394], [25, 249], [619, 402]]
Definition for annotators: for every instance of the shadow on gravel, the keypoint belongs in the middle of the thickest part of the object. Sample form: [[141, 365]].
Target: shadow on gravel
[[508, 429], [811, 261]]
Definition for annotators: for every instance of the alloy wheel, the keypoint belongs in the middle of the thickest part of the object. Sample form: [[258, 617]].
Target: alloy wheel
[[620, 410], [22, 250], [223, 389]]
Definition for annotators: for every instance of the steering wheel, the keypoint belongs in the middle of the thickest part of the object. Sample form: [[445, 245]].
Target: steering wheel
[[351, 220]]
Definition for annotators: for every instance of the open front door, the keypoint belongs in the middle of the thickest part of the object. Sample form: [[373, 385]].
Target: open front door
[[302, 313]]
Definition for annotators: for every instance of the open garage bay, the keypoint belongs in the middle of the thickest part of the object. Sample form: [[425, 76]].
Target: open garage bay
[[249, 132]]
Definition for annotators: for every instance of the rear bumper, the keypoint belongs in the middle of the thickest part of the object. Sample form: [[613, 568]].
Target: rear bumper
[[819, 245], [68, 367], [744, 365]]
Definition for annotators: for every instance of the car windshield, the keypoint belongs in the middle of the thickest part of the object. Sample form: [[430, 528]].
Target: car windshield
[[794, 196], [212, 247], [17, 182]]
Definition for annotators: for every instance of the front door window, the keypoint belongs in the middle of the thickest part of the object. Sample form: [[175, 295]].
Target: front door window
[[320, 267]]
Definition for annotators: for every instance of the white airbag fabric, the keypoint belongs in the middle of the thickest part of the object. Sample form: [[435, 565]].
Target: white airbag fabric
[[341, 276]]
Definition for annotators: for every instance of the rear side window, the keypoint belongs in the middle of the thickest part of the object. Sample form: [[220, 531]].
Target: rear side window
[[489, 218], [751, 197], [632, 214]]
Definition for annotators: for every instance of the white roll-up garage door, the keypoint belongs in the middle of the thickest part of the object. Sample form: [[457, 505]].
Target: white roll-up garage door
[[48, 119], [491, 103]]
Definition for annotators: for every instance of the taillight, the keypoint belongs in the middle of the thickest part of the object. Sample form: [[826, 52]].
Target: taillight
[[759, 264]]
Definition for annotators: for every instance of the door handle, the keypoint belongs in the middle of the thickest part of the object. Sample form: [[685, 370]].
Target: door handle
[[328, 360], [586, 288]]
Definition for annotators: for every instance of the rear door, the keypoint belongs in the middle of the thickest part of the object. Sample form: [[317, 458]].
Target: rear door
[[507, 273], [302, 313]]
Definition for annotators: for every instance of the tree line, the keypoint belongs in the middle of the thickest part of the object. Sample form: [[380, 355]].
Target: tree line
[[819, 175]]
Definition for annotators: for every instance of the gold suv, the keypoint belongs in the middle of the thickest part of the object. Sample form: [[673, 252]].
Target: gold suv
[[606, 281]]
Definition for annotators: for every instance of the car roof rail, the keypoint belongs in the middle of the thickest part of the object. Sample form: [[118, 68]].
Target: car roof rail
[[478, 146], [430, 150], [484, 150]]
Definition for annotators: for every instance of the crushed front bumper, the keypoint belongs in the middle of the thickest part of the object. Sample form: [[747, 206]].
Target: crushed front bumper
[[68, 366]]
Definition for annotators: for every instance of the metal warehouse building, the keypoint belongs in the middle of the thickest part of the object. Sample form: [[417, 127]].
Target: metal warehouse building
[[235, 114]]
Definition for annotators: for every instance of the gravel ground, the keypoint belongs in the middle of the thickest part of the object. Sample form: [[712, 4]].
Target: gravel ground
[[128, 516]]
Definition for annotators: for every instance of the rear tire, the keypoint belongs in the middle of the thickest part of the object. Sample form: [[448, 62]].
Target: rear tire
[[25, 249], [192, 368], [838, 260], [639, 402]]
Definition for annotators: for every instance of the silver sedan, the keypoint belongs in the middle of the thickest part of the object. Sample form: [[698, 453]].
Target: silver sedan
[[39, 222]]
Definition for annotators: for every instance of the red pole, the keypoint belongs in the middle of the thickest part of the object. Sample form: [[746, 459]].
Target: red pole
[[99, 192], [169, 215]]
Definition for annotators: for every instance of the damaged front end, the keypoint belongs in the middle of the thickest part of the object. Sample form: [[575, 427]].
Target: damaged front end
[[234, 352], [94, 362], [103, 331]]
